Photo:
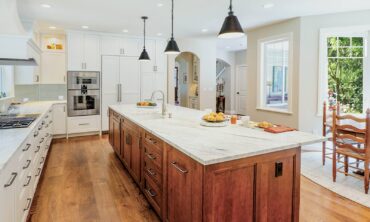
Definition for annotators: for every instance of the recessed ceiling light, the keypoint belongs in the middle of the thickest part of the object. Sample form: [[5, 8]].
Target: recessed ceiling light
[[85, 27], [125, 31], [204, 30], [45, 6], [52, 27], [159, 34], [268, 5], [228, 47], [160, 4]]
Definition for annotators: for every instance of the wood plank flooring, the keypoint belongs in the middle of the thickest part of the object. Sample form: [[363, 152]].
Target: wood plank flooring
[[84, 181]]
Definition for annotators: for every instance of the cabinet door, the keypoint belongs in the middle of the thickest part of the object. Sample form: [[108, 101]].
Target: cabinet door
[[53, 68], [7, 193], [147, 85], [59, 119], [271, 186], [75, 51], [148, 66], [126, 144], [135, 156], [111, 128], [111, 45], [92, 52], [131, 47], [160, 57], [117, 135], [110, 81], [130, 79], [184, 188]]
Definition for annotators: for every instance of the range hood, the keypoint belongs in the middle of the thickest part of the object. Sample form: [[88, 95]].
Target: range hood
[[16, 46]]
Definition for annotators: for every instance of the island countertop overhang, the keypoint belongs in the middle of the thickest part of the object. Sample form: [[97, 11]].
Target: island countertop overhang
[[211, 145]]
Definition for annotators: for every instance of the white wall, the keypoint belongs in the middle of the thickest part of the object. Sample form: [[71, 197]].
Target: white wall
[[309, 61], [241, 57], [205, 49], [254, 35]]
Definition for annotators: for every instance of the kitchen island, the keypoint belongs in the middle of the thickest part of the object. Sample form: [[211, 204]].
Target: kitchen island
[[193, 173]]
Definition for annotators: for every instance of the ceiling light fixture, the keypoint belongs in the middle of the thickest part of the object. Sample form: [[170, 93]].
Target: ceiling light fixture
[[159, 34], [231, 27], [125, 31], [144, 54], [45, 6], [85, 27], [52, 27], [172, 47], [268, 5], [204, 30], [160, 4]]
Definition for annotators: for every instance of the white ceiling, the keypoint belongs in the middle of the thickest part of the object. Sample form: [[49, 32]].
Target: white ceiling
[[191, 16]]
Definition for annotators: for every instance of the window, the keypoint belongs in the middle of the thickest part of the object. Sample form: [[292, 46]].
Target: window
[[345, 71], [275, 78], [6, 81]]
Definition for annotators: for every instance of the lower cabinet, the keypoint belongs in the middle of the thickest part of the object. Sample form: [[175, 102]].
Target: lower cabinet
[[258, 188]]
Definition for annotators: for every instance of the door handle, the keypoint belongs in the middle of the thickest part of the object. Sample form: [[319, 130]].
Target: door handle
[[238, 93]]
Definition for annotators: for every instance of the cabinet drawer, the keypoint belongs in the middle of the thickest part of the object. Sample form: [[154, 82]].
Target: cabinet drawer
[[150, 139], [83, 124], [152, 171], [152, 155], [153, 193]]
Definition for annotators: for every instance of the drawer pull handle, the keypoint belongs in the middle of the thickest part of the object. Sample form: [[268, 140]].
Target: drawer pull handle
[[27, 147], [38, 149], [151, 172], [152, 141], [11, 181], [128, 140], [27, 165], [28, 182], [47, 135], [39, 172], [83, 124], [51, 121], [29, 201], [47, 116], [36, 133], [42, 140], [43, 122], [42, 160], [151, 156], [151, 192], [40, 127], [47, 125], [179, 168]]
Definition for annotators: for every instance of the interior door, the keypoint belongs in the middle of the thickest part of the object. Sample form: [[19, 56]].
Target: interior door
[[130, 79], [110, 81], [241, 89]]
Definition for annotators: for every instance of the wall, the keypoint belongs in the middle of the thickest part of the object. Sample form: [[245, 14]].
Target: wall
[[241, 57], [40, 92], [205, 49], [309, 60], [288, 26]]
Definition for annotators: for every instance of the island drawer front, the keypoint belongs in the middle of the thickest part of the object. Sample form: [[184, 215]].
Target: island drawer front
[[152, 171], [153, 193], [150, 139], [151, 154]]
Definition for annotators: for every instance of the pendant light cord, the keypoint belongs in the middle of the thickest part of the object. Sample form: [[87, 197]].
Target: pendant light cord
[[231, 7], [172, 19], [144, 32]]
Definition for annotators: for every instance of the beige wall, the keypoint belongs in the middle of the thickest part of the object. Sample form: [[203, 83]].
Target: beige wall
[[254, 35]]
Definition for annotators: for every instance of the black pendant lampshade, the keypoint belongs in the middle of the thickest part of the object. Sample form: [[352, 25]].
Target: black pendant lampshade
[[172, 47], [231, 27], [144, 54]]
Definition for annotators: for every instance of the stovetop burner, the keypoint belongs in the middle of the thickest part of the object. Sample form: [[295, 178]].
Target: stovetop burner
[[17, 121]]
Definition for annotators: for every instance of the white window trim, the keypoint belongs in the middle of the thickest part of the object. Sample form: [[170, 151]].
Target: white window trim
[[261, 77], [358, 31]]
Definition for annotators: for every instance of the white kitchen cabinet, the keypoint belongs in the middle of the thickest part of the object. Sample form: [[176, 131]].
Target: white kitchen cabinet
[[7, 192], [120, 46], [59, 119], [53, 68], [83, 52], [130, 79], [158, 60], [152, 81], [149, 66], [83, 124]]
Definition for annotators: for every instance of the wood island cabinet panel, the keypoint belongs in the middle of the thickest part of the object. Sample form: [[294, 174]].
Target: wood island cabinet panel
[[117, 135], [135, 156]]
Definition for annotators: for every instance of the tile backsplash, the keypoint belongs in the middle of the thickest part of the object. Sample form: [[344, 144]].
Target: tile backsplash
[[40, 92]]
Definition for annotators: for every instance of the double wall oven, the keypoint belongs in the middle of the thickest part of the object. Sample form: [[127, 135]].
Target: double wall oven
[[83, 93]]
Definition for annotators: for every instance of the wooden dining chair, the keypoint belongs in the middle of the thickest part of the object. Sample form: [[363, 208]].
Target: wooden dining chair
[[327, 131], [344, 137]]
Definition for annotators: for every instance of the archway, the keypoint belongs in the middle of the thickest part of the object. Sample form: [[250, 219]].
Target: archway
[[186, 80]]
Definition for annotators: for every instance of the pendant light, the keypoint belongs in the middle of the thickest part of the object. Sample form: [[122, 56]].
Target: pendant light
[[172, 47], [144, 54], [231, 27]]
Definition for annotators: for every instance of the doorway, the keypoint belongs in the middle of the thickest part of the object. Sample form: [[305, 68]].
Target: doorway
[[241, 81], [223, 89], [186, 79]]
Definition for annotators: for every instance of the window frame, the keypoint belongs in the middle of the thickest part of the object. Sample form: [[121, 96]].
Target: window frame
[[261, 78]]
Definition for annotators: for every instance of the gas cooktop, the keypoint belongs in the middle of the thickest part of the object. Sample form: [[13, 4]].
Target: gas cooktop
[[17, 121]]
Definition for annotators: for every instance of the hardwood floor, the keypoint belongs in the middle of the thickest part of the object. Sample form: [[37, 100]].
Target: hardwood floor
[[84, 181]]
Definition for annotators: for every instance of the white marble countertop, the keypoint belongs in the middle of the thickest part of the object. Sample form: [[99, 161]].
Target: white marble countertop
[[210, 145], [11, 139]]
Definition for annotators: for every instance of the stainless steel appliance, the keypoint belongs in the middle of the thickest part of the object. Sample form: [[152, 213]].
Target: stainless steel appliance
[[83, 93], [17, 121]]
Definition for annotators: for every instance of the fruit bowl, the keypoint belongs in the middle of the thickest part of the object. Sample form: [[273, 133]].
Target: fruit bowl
[[146, 104], [214, 117]]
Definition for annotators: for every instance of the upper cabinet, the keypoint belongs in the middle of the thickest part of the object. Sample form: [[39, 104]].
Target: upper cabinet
[[83, 51], [112, 45]]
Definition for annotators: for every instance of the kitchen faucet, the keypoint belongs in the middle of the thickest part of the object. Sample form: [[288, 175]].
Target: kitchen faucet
[[164, 108]]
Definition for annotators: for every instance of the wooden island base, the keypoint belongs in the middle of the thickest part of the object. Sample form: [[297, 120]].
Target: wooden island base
[[259, 188]]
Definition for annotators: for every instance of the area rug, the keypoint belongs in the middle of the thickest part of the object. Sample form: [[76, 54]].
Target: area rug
[[346, 186]]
